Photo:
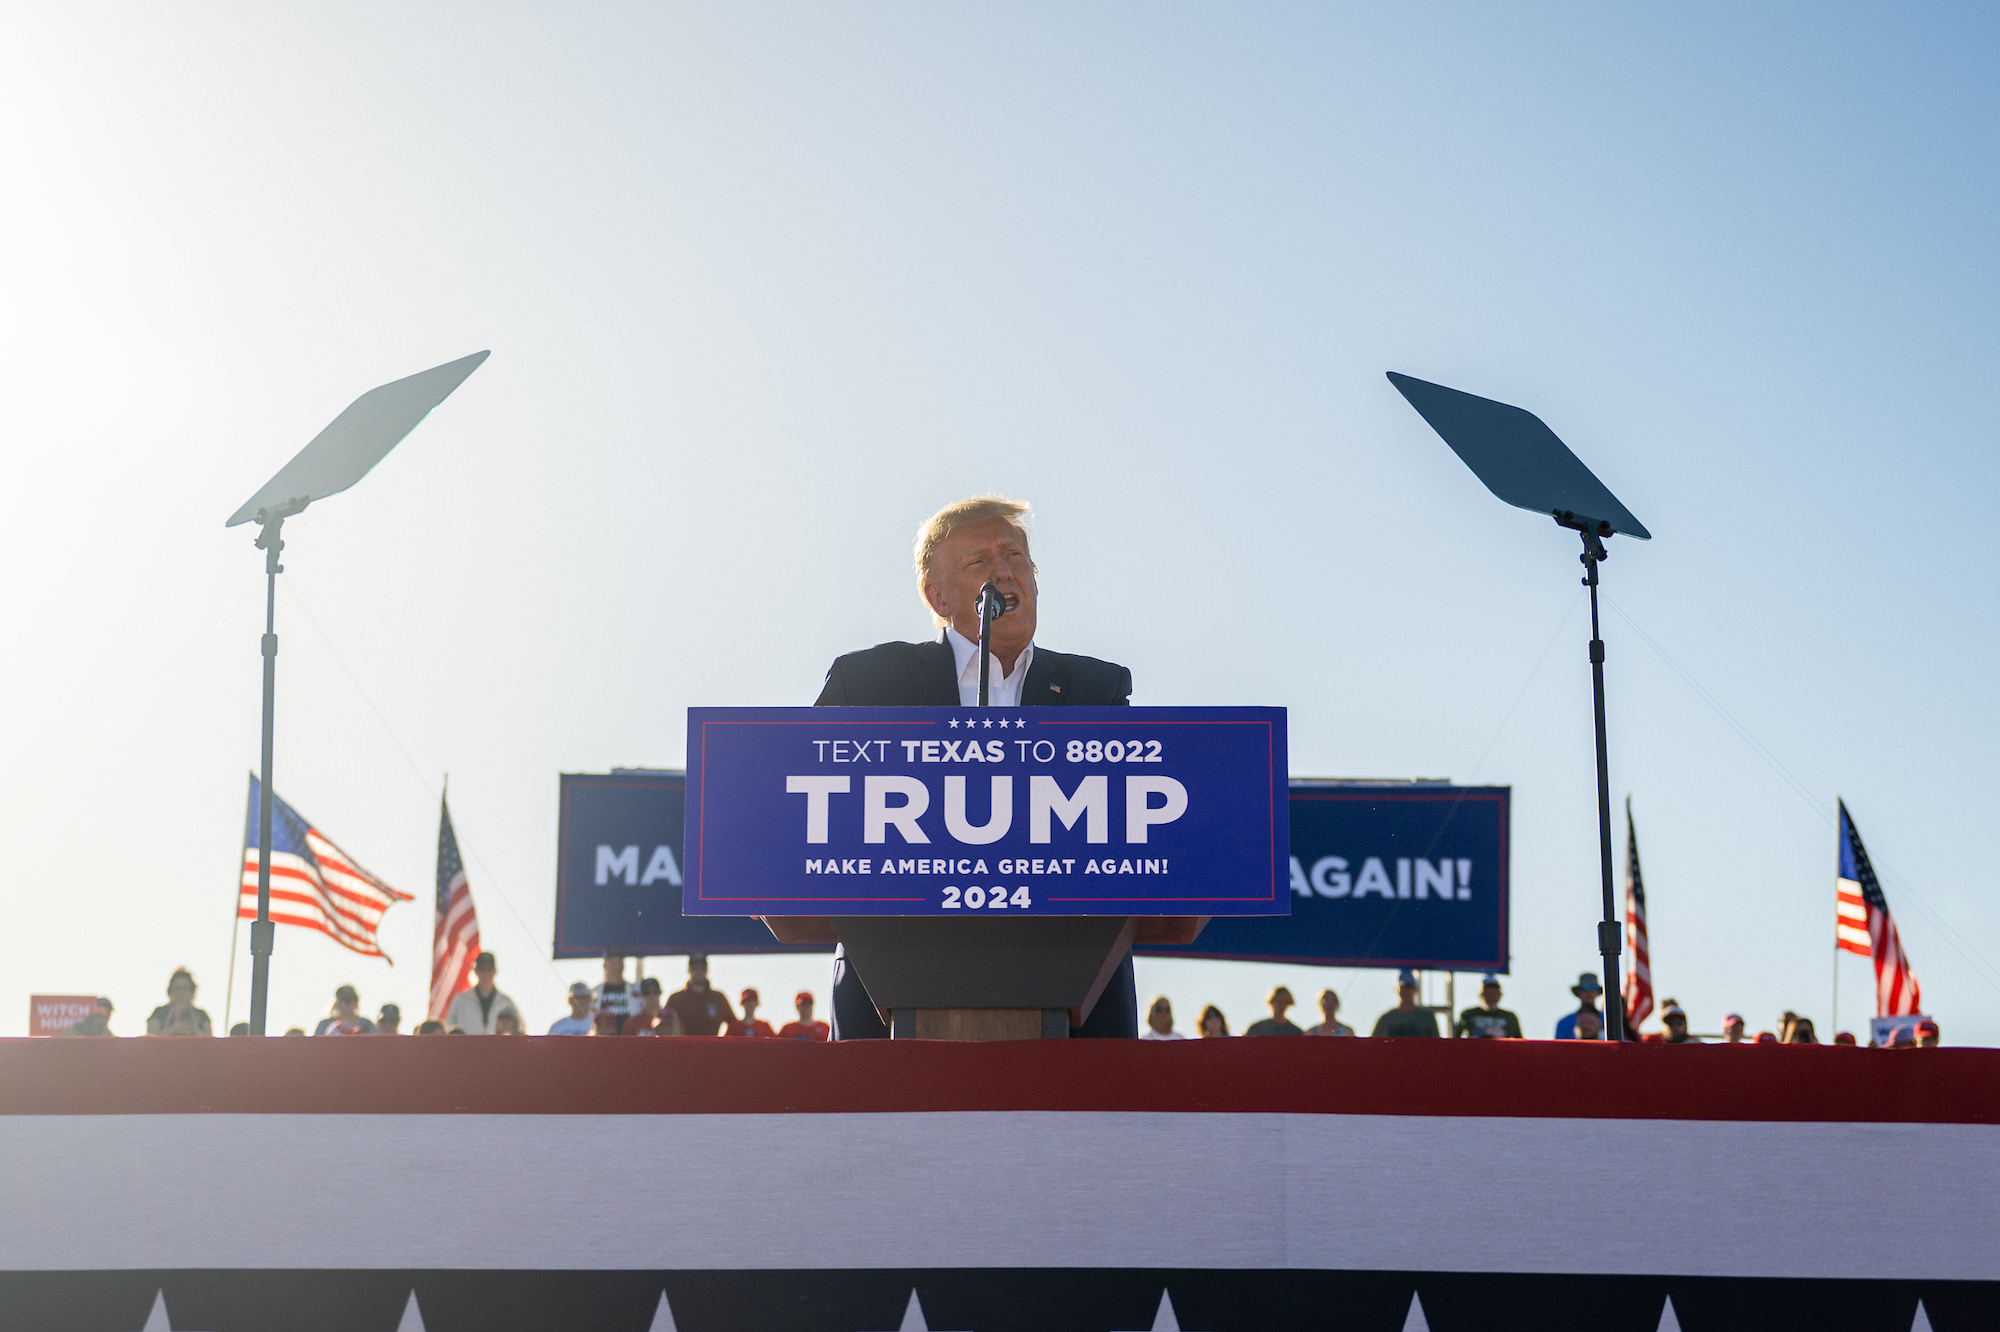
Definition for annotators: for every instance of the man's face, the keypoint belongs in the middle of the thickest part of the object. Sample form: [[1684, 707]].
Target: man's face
[[1733, 1032], [1161, 1017], [1406, 995], [964, 561], [614, 968], [579, 1005], [698, 978], [1588, 1026], [181, 992], [1279, 1004], [805, 1010], [482, 979], [1677, 1025], [1489, 995], [389, 1026]]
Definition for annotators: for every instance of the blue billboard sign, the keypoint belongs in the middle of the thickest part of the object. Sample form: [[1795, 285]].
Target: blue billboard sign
[[1383, 875], [920, 811], [619, 875]]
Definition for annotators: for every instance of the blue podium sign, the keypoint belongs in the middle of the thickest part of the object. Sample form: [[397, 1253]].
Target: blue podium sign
[[1384, 875], [1014, 811]]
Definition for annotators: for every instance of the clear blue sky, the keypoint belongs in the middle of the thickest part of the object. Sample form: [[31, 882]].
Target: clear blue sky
[[766, 284]]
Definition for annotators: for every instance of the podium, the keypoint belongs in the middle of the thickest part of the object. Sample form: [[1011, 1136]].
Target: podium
[[985, 980], [986, 872]]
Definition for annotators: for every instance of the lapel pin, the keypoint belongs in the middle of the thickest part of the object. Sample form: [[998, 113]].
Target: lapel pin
[[1055, 689]]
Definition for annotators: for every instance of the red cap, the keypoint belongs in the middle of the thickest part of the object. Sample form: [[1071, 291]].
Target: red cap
[[803, 997], [748, 996]]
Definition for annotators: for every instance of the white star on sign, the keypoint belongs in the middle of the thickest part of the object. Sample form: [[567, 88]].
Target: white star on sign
[[954, 723], [913, 1315], [989, 723], [1020, 725], [1164, 1320], [156, 1321]]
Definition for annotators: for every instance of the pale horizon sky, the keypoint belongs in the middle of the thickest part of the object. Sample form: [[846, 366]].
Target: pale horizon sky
[[765, 286]]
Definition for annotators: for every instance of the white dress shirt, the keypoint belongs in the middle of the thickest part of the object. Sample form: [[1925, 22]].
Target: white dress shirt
[[1002, 691]]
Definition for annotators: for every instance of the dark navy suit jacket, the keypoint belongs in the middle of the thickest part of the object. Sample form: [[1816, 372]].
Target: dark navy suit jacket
[[926, 675]]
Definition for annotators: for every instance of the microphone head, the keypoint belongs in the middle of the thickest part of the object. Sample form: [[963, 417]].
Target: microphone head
[[992, 605]]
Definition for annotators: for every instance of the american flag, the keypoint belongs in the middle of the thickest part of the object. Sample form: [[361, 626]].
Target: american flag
[[313, 882], [1639, 977], [455, 942], [1862, 924]]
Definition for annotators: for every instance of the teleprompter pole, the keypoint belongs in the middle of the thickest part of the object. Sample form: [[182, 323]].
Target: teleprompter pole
[[1608, 942], [261, 929]]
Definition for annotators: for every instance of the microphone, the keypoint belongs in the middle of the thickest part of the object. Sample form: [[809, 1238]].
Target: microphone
[[991, 607], [991, 604]]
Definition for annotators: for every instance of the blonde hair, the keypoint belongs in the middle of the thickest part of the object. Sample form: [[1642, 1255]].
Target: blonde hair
[[965, 513]]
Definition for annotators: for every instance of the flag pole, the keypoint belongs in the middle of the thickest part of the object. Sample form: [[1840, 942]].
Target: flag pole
[[235, 929], [1833, 1023]]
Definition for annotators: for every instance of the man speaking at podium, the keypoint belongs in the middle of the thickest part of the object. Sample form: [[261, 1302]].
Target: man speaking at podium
[[963, 547]]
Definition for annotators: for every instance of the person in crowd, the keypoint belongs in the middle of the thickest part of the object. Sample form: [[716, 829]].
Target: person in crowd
[[97, 1022], [507, 1023], [1277, 1024], [961, 548], [613, 999], [1845, 1038], [1587, 991], [295, 1031], [1213, 1023], [178, 1016], [702, 1011], [652, 1019], [240, 1029], [578, 1023], [1675, 1019], [1785, 1023], [1329, 1012], [1160, 1022], [346, 1019], [1732, 1029], [1489, 1021], [472, 1011], [1589, 1025], [389, 1021], [1801, 1032], [430, 1027], [1406, 1018], [1927, 1034], [749, 1024], [1767, 1038], [805, 1029]]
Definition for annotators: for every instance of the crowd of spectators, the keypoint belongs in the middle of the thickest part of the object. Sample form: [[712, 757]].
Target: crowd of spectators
[[616, 1007]]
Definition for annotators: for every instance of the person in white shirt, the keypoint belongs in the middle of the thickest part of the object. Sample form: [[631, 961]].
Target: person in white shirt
[[1160, 1017], [579, 1022], [473, 1011]]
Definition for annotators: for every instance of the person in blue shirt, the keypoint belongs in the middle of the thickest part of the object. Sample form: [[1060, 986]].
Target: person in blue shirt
[[1587, 991]]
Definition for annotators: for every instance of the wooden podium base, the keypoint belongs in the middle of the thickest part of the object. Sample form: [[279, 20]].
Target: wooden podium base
[[950, 979], [980, 1024]]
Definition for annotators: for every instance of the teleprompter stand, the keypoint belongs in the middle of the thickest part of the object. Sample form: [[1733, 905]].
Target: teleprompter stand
[[1522, 462]]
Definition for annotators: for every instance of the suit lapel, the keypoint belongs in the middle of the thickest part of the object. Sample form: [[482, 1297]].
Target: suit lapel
[[932, 680], [1047, 684]]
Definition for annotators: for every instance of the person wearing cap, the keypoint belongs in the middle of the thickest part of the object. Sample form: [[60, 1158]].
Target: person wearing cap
[[1329, 1011], [473, 1011], [1406, 1018], [749, 1024], [702, 1011], [652, 1019], [1160, 1022], [1927, 1034], [97, 1022], [1277, 1024], [1489, 1021], [805, 1029], [614, 1000], [346, 1019], [1732, 1030], [389, 1022], [1675, 1019], [1587, 991], [578, 1023]]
